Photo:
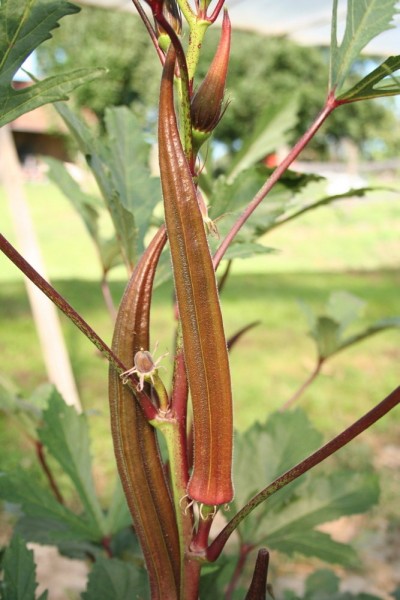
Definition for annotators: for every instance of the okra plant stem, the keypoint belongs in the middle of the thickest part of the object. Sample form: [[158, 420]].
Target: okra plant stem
[[330, 104]]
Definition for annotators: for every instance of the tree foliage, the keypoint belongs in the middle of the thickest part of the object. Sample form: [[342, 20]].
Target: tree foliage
[[262, 70]]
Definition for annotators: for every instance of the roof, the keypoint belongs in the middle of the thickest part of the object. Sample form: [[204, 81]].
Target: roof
[[305, 21]]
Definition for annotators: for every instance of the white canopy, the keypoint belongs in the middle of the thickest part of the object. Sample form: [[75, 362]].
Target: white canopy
[[306, 21]]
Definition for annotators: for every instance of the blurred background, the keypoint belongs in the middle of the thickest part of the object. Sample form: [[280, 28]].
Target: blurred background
[[278, 50]]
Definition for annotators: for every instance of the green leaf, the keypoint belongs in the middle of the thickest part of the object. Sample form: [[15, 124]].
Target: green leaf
[[65, 434], [243, 249], [112, 578], [271, 449], [295, 212], [96, 152], [89, 208], [326, 336], [24, 25], [228, 199], [315, 544], [324, 585], [128, 161], [28, 411], [273, 127], [216, 577], [14, 103], [322, 581], [364, 21], [19, 572], [287, 520], [119, 163], [379, 83], [318, 499], [344, 308], [118, 516], [341, 310], [45, 520], [86, 206]]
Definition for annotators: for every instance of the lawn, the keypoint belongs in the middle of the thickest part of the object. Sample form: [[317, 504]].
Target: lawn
[[353, 246]]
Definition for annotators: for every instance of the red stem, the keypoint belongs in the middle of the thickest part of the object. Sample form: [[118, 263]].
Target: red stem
[[313, 375], [199, 542], [330, 105], [148, 408], [150, 30], [50, 477], [216, 11], [305, 465], [106, 543]]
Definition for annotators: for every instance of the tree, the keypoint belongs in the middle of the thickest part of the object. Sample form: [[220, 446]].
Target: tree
[[261, 69], [112, 39]]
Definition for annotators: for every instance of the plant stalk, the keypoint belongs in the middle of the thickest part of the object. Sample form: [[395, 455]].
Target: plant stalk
[[313, 375]]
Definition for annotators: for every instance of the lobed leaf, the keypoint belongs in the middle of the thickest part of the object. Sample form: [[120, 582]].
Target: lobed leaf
[[325, 585], [89, 209], [96, 153], [14, 103], [377, 327], [365, 19], [128, 161], [272, 131], [19, 572], [113, 578], [341, 310], [287, 521], [66, 436], [119, 163], [379, 83], [228, 200], [44, 519], [24, 25], [118, 515]]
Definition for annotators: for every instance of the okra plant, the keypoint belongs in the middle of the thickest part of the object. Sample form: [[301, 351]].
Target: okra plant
[[175, 497]]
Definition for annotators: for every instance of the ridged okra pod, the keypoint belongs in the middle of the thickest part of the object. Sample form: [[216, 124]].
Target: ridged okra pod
[[206, 356], [135, 443]]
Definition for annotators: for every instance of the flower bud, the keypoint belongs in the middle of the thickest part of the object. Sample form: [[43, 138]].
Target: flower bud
[[207, 105]]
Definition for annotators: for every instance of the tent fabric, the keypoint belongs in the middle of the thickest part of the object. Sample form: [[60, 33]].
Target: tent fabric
[[305, 21]]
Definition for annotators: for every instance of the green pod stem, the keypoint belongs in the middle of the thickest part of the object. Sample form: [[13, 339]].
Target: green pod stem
[[135, 443], [205, 351]]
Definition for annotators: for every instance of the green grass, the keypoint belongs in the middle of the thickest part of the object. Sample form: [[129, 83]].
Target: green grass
[[360, 234], [354, 247]]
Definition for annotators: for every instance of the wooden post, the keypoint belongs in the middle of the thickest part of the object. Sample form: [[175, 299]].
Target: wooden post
[[46, 319]]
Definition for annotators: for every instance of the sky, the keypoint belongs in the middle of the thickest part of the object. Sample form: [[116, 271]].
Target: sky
[[306, 21]]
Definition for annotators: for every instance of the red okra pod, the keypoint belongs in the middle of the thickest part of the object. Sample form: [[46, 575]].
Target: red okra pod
[[135, 443], [206, 356]]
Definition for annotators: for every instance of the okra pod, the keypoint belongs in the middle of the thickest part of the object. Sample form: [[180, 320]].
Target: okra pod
[[135, 443], [205, 351]]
